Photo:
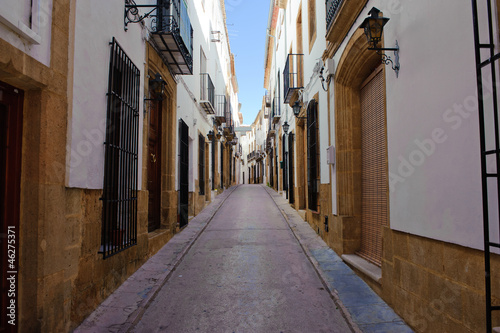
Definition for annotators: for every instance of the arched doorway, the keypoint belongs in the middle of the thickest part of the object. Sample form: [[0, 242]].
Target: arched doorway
[[361, 146]]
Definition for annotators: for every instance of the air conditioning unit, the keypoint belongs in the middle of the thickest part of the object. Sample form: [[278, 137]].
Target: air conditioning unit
[[330, 155]]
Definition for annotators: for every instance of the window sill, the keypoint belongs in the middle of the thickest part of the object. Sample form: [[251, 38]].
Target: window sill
[[21, 29], [370, 270]]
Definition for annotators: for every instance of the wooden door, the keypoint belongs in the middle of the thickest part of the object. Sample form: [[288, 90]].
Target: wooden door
[[154, 166], [183, 173], [11, 101]]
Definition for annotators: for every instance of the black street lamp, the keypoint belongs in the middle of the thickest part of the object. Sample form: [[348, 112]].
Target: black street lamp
[[296, 107], [373, 26], [286, 127]]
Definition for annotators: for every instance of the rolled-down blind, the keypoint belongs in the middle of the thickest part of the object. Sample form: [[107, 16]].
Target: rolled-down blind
[[374, 167]]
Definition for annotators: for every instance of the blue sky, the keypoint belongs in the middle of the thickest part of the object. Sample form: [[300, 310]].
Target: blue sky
[[246, 25]]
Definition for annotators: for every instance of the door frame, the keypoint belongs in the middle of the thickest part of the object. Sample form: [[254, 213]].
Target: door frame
[[12, 100]]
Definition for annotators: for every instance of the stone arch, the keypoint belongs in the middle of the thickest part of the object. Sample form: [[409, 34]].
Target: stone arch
[[355, 65]]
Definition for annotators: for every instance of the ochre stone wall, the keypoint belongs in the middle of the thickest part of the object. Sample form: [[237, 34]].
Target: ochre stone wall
[[436, 286]]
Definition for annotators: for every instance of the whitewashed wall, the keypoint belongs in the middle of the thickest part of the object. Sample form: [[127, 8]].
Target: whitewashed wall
[[97, 22], [205, 17], [432, 122]]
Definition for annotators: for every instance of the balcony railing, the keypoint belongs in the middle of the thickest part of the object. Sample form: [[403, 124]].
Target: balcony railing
[[220, 109], [268, 99], [293, 75], [173, 35], [229, 125], [332, 8], [276, 110], [207, 93], [251, 156]]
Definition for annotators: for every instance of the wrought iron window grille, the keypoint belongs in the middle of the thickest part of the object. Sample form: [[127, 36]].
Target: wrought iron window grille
[[119, 214]]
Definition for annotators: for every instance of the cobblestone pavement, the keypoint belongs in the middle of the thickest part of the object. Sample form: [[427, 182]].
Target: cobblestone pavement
[[246, 263]]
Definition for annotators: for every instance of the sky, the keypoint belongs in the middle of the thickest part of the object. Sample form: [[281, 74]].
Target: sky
[[246, 25]]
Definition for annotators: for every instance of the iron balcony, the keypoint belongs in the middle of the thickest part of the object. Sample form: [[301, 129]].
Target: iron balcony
[[173, 36], [276, 110], [207, 93], [332, 8], [293, 75], [220, 109]]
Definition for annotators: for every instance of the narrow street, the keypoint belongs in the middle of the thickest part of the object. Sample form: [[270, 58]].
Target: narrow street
[[241, 270], [245, 273]]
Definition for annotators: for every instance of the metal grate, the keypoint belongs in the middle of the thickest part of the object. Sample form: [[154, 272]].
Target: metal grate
[[374, 189], [312, 155], [489, 130], [119, 227], [332, 8], [201, 164]]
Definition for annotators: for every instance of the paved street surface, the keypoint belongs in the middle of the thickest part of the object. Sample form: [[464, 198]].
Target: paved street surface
[[247, 263]]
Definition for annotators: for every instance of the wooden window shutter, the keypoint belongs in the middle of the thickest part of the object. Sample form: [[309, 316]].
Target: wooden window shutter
[[374, 167]]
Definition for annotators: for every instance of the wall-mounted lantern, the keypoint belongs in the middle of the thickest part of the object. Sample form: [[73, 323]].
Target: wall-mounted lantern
[[286, 127], [210, 135], [373, 26], [296, 107], [157, 86]]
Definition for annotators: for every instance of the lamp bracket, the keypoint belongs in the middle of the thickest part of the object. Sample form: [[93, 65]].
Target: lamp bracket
[[132, 13], [386, 60], [328, 79]]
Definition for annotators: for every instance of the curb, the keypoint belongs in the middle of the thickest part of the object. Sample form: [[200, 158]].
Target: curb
[[333, 293], [362, 308]]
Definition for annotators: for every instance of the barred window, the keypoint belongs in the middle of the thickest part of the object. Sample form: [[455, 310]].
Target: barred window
[[312, 156], [119, 215], [201, 164]]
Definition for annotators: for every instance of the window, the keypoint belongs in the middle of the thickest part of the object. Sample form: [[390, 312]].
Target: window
[[26, 17], [312, 155], [119, 226], [201, 164], [312, 23], [298, 34]]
